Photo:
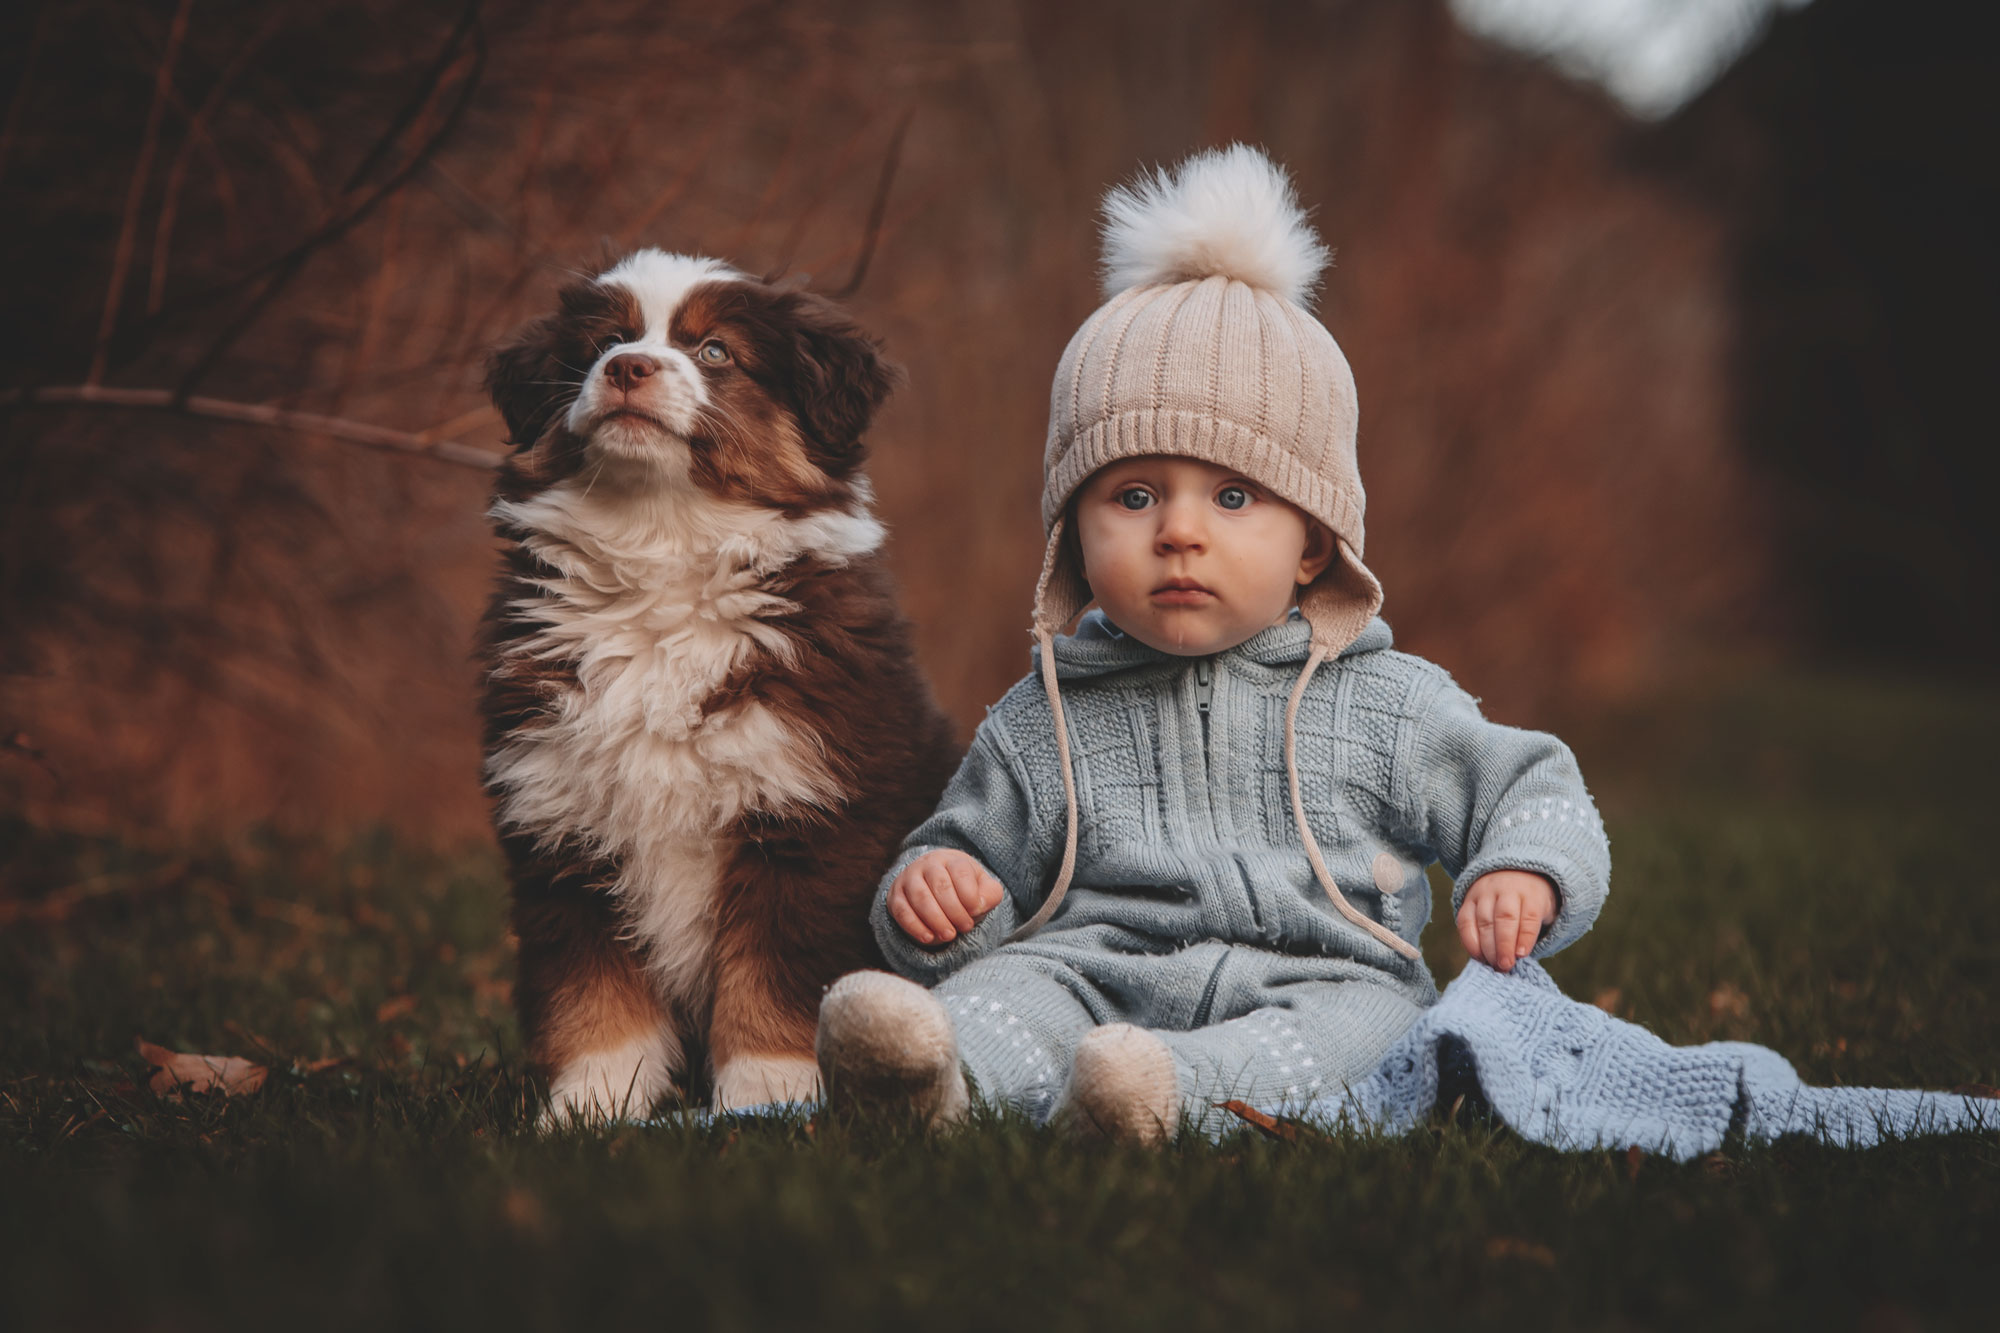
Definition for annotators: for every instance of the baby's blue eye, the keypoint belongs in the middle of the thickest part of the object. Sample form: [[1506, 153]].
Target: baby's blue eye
[[1232, 497], [1135, 498]]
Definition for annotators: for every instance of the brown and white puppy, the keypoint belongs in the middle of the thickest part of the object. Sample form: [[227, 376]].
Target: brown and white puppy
[[705, 731]]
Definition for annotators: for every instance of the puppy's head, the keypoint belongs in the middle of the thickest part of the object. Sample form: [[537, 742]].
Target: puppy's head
[[673, 371]]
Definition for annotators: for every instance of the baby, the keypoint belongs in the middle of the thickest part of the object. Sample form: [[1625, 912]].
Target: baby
[[1184, 862]]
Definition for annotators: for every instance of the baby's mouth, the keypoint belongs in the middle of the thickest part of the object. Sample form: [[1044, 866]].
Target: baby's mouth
[[1182, 592]]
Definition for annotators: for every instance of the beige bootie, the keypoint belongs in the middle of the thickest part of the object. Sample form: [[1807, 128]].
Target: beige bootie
[[886, 1047], [1122, 1086]]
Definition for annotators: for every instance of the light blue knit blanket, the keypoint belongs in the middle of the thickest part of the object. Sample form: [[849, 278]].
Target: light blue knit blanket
[[1567, 1074]]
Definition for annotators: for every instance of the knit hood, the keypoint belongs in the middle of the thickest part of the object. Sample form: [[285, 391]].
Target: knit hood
[[1100, 648]]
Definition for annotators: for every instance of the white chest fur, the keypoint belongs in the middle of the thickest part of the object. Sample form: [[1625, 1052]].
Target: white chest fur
[[654, 601]]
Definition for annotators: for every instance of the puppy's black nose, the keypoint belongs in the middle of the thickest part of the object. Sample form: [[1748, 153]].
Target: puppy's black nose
[[628, 369]]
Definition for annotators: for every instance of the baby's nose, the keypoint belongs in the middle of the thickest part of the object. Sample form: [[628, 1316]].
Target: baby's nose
[[1180, 529]]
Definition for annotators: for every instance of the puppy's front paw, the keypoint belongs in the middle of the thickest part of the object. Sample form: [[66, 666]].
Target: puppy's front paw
[[759, 1080], [621, 1083]]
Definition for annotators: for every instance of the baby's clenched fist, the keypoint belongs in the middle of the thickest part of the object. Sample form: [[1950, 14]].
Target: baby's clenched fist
[[1502, 916], [941, 895]]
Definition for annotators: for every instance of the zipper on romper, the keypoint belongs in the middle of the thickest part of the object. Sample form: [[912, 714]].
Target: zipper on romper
[[1204, 695], [1208, 993]]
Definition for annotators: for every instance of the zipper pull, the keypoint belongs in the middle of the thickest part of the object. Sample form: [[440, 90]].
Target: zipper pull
[[1204, 686]]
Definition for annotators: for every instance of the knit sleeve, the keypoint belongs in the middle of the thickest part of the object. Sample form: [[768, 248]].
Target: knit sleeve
[[988, 811], [1491, 797]]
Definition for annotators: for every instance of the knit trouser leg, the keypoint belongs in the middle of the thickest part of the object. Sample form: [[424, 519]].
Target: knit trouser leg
[[1317, 1038], [1018, 1025]]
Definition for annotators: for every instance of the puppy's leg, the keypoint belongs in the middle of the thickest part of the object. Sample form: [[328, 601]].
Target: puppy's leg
[[787, 924], [761, 1043], [595, 1026]]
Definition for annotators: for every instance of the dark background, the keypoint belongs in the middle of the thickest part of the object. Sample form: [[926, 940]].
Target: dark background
[[1645, 405]]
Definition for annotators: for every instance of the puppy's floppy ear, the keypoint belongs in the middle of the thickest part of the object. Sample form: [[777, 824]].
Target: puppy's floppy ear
[[534, 378], [839, 377], [525, 381]]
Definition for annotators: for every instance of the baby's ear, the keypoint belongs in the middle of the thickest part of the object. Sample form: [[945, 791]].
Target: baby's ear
[[1072, 541], [1321, 546], [839, 378]]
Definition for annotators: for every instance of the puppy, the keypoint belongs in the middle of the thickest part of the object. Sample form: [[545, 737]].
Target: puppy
[[705, 730]]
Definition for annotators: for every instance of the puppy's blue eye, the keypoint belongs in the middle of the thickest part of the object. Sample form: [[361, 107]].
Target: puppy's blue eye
[[712, 353], [1134, 498], [1232, 497]]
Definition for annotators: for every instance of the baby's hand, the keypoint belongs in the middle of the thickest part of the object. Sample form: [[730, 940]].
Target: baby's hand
[[941, 895], [1503, 914]]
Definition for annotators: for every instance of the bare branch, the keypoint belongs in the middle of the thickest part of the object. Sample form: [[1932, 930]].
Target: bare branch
[[121, 259], [446, 429], [880, 207], [289, 266], [422, 444], [804, 220], [197, 131], [22, 744]]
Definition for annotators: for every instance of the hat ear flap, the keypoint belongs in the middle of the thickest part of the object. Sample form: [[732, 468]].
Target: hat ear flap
[[1061, 592], [840, 378], [1341, 601]]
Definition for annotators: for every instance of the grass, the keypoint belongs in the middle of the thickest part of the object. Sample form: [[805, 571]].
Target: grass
[[1797, 864]]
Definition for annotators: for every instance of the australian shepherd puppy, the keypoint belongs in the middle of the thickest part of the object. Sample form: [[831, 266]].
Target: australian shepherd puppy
[[705, 730]]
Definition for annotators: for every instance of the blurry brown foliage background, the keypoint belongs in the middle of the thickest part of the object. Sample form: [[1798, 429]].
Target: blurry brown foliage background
[[1638, 402]]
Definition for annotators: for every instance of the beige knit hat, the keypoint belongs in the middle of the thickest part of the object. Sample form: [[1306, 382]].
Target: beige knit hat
[[1204, 349]]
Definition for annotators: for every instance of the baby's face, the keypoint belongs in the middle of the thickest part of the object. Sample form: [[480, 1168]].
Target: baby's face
[[1191, 558]]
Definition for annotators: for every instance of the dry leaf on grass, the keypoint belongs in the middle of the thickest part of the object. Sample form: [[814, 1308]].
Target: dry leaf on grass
[[1276, 1128], [401, 1006], [174, 1072]]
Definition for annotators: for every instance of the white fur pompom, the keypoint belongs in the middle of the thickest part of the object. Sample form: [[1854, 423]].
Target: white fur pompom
[[1229, 211]]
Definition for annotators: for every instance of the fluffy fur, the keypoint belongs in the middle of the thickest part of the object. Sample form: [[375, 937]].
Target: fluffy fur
[[1229, 212], [705, 733]]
